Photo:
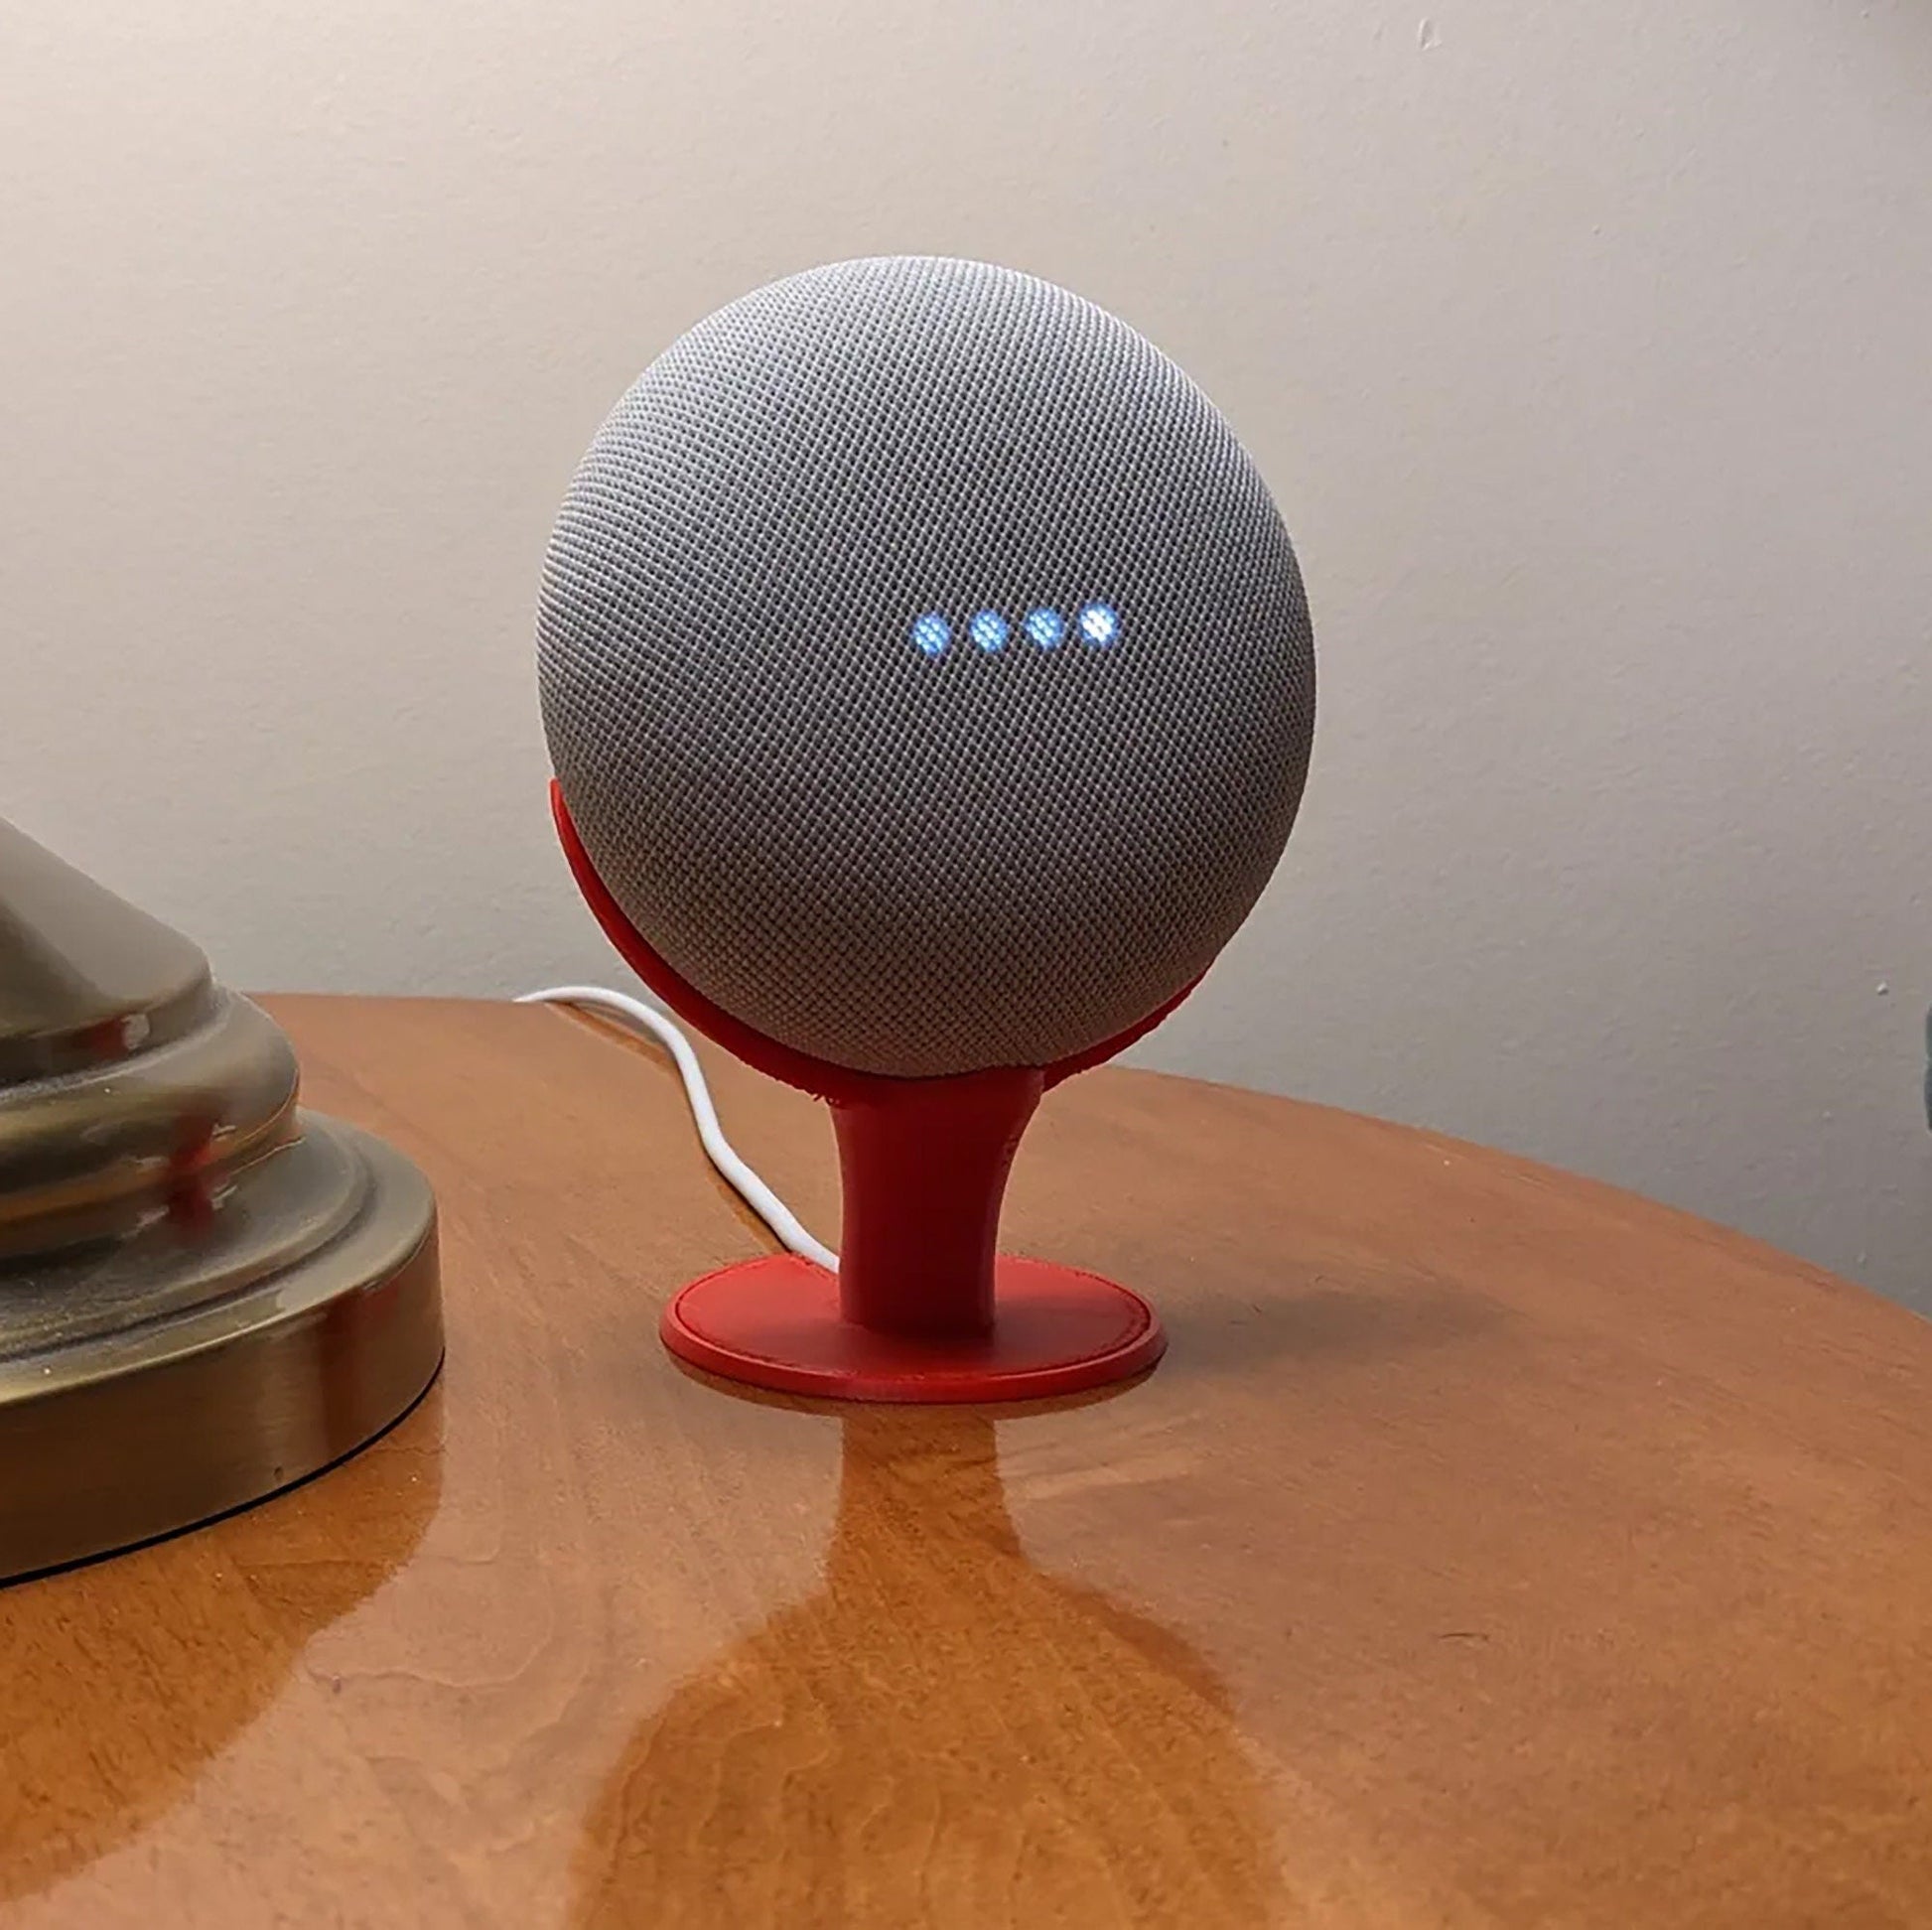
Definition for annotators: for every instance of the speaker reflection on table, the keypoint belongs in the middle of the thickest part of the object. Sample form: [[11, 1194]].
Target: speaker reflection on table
[[930, 687], [948, 1730]]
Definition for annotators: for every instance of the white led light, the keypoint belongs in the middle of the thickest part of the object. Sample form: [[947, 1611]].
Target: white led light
[[1099, 622]]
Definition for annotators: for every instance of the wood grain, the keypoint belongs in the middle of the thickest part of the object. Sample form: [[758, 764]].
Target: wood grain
[[1491, 1549]]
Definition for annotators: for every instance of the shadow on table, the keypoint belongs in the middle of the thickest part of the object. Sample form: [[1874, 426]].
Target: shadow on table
[[943, 1733], [139, 1703], [1324, 1321]]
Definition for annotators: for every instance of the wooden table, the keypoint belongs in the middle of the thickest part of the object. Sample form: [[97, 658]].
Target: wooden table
[[1492, 1548]]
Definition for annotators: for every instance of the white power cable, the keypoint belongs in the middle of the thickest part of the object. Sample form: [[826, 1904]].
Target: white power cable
[[744, 1182]]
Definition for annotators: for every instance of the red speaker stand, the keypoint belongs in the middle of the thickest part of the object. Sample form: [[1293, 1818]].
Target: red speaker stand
[[923, 1307]]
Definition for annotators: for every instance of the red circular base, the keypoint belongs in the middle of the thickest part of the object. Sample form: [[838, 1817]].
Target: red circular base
[[774, 1322]]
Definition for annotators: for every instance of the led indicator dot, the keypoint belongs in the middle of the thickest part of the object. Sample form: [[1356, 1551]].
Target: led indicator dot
[[1099, 623], [931, 633], [1046, 628], [989, 630]]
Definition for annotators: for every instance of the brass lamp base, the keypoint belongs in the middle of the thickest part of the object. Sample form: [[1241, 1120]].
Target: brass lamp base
[[206, 1293]]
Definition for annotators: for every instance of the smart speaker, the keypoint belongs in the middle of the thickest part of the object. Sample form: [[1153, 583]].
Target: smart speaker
[[930, 686]]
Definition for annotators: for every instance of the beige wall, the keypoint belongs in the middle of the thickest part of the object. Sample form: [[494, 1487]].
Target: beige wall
[[1589, 348]]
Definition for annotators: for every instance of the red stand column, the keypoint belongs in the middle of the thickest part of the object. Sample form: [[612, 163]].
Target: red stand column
[[924, 1165]]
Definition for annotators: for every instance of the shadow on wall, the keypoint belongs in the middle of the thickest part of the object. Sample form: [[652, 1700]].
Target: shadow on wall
[[943, 1733]]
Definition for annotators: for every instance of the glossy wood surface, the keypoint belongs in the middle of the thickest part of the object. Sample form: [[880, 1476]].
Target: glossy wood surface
[[1492, 1548]]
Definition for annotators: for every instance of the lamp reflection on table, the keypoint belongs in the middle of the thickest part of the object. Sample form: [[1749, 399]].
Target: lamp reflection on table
[[188, 1687]]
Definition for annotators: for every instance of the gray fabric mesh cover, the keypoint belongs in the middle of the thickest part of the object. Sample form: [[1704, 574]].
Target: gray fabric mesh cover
[[902, 863]]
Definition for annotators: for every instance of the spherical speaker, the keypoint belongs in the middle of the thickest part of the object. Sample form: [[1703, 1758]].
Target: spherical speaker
[[929, 689], [925, 669]]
